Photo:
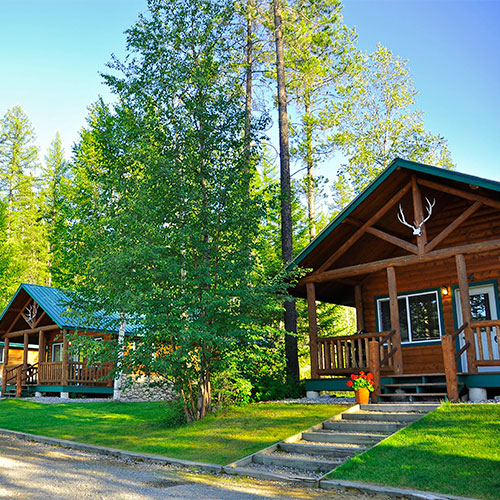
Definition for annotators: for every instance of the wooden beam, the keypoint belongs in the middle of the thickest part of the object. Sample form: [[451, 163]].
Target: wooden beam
[[357, 235], [390, 238], [460, 193], [407, 260], [358, 301], [35, 324], [451, 227], [65, 359], [41, 347], [394, 308], [19, 314], [25, 351], [30, 330], [5, 363], [313, 329], [418, 213], [463, 286]]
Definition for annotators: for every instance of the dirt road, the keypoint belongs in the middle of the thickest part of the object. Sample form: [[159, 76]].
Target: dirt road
[[34, 471]]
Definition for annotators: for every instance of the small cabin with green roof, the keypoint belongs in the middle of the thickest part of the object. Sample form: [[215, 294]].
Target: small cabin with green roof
[[37, 319], [418, 255]]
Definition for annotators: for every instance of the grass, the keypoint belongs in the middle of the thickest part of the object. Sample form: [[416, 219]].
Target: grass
[[220, 438], [454, 450]]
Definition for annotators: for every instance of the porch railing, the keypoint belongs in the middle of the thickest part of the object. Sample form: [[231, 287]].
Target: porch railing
[[83, 374], [347, 354], [50, 373], [10, 374], [486, 342], [79, 373]]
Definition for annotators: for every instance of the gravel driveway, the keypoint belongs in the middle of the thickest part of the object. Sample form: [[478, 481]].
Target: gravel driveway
[[36, 471]]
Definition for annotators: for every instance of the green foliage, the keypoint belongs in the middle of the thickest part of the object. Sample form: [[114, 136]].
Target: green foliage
[[55, 184], [377, 122], [25, 248], [163, 217]]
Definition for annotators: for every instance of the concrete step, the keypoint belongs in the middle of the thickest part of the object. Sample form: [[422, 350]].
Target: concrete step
[[342, 437], [372, 416], [398, 408], [363, 427], [299, 462], [273, 473], [323, 450], [414, 396], [414, 385]]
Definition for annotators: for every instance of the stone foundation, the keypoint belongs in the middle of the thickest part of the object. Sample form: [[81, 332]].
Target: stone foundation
[[138, 387]]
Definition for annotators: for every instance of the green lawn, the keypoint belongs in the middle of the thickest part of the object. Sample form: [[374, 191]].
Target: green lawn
[[147, 427], [454, 450]]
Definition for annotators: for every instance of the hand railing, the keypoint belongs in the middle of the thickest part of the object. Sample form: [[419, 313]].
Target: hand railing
[[343, 355]]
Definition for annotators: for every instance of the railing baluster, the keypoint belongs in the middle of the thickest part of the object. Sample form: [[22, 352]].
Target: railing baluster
[[479, 338], [490, 343]]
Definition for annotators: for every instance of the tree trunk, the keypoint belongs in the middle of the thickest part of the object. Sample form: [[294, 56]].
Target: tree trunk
[[311, 204], [292, 361]]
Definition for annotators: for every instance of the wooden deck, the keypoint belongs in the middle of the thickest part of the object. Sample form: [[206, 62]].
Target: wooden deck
[[73, 373]]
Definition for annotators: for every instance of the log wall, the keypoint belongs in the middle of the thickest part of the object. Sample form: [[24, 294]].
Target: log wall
[[428, 359]]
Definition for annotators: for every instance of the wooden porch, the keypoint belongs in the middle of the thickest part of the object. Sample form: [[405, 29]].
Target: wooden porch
[[419, 310], [74, 373]]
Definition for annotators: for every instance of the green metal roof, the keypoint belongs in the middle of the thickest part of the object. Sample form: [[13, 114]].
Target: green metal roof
[[54, 301], [396, 163]]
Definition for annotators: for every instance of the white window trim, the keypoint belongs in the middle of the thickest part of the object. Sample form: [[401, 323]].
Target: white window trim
[[52, 350], [408, 318]]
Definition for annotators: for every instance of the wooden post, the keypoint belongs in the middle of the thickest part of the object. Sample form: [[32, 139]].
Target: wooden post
[[19, 382], [463, 285], [358, 301], [450, 366], [65, 359], [393, 304], [374, 366], [5, 363], [418, 213], [41, 347], [25, 354], [313, 329]]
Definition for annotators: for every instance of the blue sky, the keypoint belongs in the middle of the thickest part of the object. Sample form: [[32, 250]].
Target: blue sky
[[51, 53]]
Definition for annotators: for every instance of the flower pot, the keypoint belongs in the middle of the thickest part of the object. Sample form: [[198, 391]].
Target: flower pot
[[362, 396]]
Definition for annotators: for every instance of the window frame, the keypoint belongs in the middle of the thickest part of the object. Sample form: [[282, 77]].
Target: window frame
[[52, 351], [406, 295]]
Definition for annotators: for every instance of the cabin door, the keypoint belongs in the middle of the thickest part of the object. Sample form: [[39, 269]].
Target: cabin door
[[483, 306]]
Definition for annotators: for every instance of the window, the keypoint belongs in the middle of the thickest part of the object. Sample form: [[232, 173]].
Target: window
[[57, 352], [419, 316], [1, 354]]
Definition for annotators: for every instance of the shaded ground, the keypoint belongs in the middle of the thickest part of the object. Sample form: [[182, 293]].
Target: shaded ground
[[34, 471]]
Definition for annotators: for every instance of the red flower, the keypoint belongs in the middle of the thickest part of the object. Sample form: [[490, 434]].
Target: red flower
[[372, 382], [349, 383], [354, 377], [361, 374], [369, 376]]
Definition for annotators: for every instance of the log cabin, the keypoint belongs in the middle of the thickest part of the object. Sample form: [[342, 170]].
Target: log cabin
[[38, 319], [417, 254]]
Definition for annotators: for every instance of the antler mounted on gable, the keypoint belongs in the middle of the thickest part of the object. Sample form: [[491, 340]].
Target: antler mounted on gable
[[417, 228]]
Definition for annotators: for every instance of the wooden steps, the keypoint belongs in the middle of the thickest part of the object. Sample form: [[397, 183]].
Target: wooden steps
[[311, 454], [415, 388]]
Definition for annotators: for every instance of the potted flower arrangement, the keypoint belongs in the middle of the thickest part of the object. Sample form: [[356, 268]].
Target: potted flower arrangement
[[362, 384]]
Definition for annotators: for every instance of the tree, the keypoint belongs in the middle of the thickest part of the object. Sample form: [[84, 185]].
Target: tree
[[162, 224], [286, 192], [377, 123], [319, 53], [55, 184], [25, 234]]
